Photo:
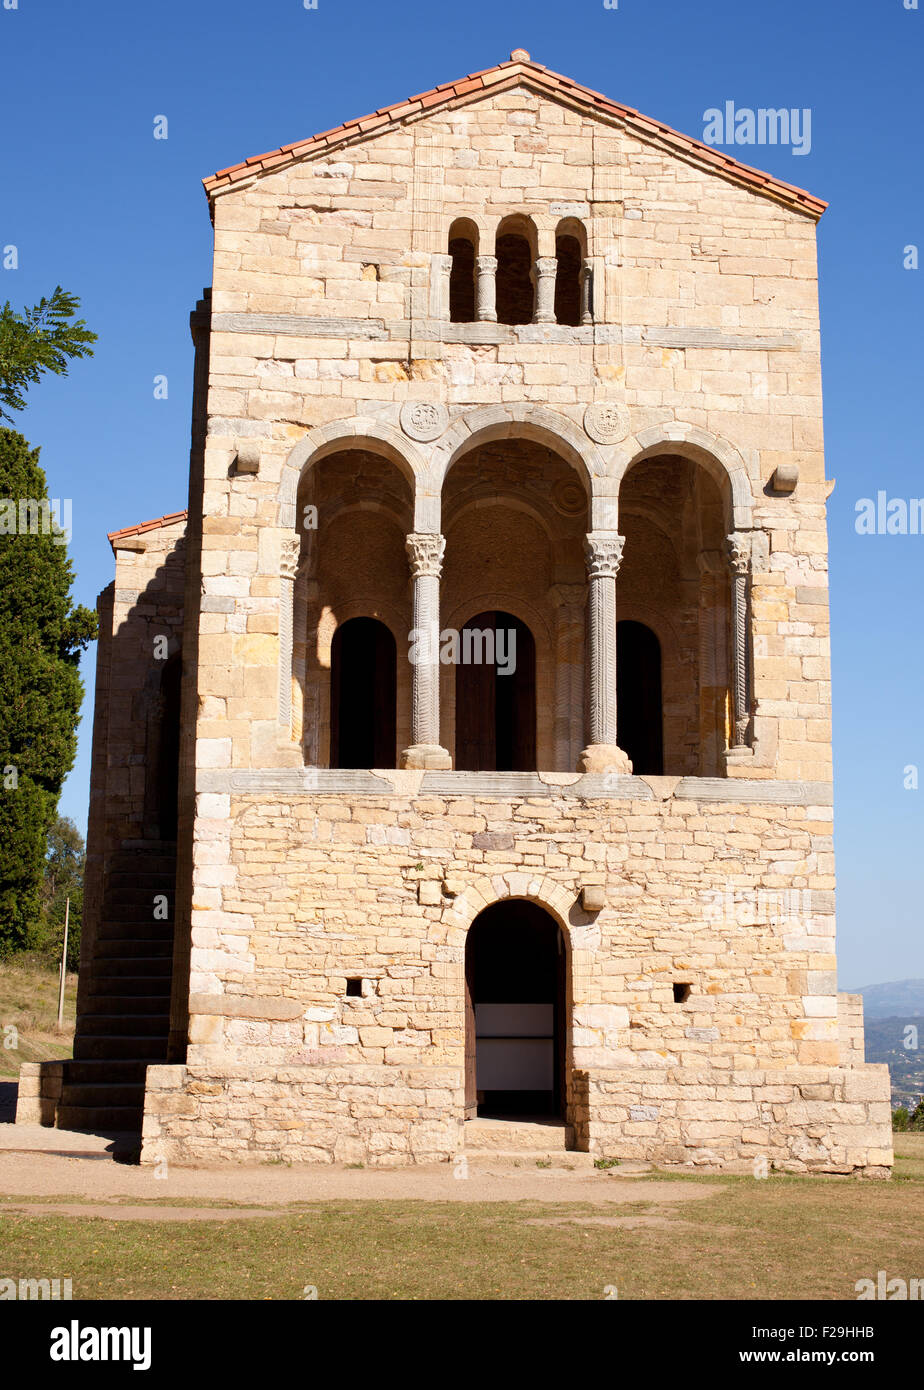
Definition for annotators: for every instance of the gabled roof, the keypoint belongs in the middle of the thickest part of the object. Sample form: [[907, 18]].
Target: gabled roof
[[519, 70], [169, 520]]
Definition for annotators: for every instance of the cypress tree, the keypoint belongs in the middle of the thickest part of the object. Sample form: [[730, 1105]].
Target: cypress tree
[[41, 637]]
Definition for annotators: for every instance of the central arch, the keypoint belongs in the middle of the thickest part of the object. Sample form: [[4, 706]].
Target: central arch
[[516, 990]]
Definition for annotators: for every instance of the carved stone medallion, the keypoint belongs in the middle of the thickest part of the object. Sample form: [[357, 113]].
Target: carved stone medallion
[[607, 422], [424, 420]]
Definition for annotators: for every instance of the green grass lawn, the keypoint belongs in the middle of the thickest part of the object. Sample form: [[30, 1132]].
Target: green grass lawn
[[29, 1003], [785, 1237]]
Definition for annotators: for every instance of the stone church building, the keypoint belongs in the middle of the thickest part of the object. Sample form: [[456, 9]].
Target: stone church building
[[462, 754]]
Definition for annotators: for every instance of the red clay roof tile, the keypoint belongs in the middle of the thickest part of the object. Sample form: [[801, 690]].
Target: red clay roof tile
[[169, 520]]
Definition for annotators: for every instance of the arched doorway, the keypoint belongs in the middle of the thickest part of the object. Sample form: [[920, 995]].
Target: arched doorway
[[363, 670], [496, 695], [515, 1012], [640, 715]]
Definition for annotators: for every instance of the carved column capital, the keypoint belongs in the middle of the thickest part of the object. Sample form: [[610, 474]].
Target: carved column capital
[[485, 288], [425, 553], [604, 554], [289, 552], [738, 550]]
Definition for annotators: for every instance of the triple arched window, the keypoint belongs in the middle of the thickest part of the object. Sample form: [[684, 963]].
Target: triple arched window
[[515, 285]]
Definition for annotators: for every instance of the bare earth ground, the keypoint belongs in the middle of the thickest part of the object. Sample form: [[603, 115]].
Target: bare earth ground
[[274, 1232]]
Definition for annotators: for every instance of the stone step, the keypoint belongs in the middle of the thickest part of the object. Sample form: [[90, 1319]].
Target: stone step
[[120, 1023], [109, 1119], [136, 914], [127, 989], [516, 1135], [529, 1159], [123, 1045], [115, 968], [102, 1095], [123, 948], [144, 929], [92, 1072]]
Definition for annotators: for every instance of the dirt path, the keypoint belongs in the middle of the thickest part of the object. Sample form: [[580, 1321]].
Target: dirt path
[[54, 1164]]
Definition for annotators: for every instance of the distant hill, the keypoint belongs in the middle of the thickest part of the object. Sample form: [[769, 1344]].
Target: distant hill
[[889, 1010], [893, 1000], [885, 1042]]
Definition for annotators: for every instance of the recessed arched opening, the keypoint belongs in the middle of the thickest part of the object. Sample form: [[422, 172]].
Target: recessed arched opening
[[516, 985], [674, 579], [168, 748], [463, 248], [514, 249], [640, 716], [363, 672], [495, 695], [568, 281]]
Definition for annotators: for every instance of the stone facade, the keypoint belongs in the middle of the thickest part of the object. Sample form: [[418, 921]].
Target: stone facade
[[641, 446]]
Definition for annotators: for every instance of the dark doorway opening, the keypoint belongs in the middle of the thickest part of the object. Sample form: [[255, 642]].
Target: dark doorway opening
[[496, 695], [515, 969], [640, 714], [363, 680]]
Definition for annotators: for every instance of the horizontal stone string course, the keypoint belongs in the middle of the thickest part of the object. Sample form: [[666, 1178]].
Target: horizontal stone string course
[[337, 781], [436, 330]]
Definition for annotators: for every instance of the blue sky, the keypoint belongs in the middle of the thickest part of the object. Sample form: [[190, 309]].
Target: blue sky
[[92, 201]]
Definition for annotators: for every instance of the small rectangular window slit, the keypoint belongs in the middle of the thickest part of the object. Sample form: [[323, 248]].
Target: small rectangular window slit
[[354, 989], [681, 993]]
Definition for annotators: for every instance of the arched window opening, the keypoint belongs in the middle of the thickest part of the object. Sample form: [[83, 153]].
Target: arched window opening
[[515, 297], [463, 242], [516, 1012], [496, 695], [568, 281], [640, 716], [363, 671]]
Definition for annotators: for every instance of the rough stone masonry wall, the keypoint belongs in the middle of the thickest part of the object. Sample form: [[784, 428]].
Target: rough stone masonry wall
[[298, 893]]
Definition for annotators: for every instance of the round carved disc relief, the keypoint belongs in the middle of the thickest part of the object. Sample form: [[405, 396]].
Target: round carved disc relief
[[424, 420], [607, 422]]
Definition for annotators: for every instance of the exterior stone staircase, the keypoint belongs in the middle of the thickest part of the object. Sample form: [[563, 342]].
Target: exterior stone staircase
[[125, 1020]]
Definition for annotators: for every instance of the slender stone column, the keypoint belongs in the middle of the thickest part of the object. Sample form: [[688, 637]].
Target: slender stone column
[[587, 282], [440, 271], [739, 557], [486, 289], [288, 566], [604, 553], [425, 552], [546, 269]]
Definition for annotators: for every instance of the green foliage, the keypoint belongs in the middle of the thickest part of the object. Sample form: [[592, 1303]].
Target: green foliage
[[41, 339], [916, 1118], [900, 1120], [41, 638], [65, 860]]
